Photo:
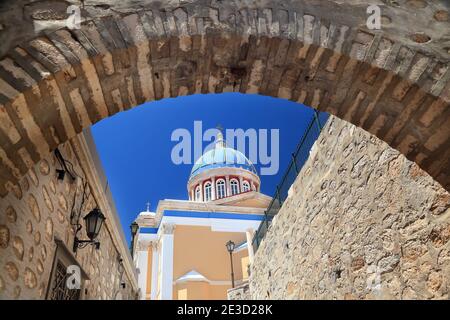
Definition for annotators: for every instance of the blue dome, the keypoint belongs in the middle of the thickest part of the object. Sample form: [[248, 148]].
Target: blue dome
[[221, 157]]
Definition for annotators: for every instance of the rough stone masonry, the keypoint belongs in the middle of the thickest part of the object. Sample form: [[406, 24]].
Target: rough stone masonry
[[37, 214], [56, 81], [361, 222], [393, 82]]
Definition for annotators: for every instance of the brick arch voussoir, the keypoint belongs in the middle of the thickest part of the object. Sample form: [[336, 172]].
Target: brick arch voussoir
[[57, 84]]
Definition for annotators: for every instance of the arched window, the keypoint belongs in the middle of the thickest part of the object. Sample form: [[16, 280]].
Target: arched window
[[198, 193], [245, 186], [220, 188], [208, 191], [234, 187]]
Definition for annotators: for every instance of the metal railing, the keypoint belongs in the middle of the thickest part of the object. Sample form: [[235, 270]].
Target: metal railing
[[299, 158]]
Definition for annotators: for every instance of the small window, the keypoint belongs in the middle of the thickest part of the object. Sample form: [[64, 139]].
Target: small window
[[62, 273], [197, 193], [220, 188], [234, 187], [245, 186], [182, 294], [208, 191]]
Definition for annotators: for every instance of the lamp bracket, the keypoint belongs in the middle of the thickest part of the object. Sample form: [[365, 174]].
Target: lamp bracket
[[79, 244]]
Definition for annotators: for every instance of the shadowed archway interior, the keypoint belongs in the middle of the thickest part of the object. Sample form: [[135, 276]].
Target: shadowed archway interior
[[388, 82]]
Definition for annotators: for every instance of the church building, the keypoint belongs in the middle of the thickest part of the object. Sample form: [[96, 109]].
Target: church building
[[180, 250]]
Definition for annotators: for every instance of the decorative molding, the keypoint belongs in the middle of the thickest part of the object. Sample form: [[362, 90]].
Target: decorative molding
[[167, 228], [142, 246], [232, 172], [213, 206]]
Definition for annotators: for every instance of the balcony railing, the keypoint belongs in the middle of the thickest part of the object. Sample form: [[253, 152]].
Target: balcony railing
[[299, 158]]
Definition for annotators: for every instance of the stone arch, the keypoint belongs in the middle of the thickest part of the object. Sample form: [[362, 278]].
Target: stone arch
[[396, 86]]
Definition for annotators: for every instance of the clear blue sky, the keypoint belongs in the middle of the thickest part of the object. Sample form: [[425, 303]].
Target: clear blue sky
[[135, 146]]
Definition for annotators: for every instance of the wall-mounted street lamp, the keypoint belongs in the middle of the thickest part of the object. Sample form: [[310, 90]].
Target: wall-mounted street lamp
[[230, 247], [121, 268], [93, 221], [134, 229], [61, 173]]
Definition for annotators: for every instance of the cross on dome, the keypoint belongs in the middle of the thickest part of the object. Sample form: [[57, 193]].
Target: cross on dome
[[220, 142]]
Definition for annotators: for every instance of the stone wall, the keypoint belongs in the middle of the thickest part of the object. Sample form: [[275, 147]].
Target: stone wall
[[239, 293], [361, 222], [33, 215]]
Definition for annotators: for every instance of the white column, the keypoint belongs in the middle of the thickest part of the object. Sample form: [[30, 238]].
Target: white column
[[192, 195], [213, 188], [142, 265], [249, 233], [201, 192], [227, 183], [155, 264], [241, 182], [166, 256]]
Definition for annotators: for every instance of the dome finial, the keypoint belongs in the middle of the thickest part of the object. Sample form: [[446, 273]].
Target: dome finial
[[220, 140], [148, 206]]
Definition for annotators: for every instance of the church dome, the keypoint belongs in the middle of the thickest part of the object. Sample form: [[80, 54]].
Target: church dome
[[221, 172], [221, 157]]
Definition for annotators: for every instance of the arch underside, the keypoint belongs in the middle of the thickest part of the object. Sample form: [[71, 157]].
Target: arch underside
[[55, 85]]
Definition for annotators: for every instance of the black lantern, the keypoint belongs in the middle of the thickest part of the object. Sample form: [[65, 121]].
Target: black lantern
[[230, 247], [94, 221], [134, 229], [120, 265], [60, 174], [121, 270]]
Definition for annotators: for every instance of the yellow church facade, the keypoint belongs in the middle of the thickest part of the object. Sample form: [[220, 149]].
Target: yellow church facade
[[180, 250]]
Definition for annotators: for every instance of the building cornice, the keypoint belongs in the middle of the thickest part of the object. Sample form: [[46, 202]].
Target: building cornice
[[241, 197], [224, 171], [185, 205]]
